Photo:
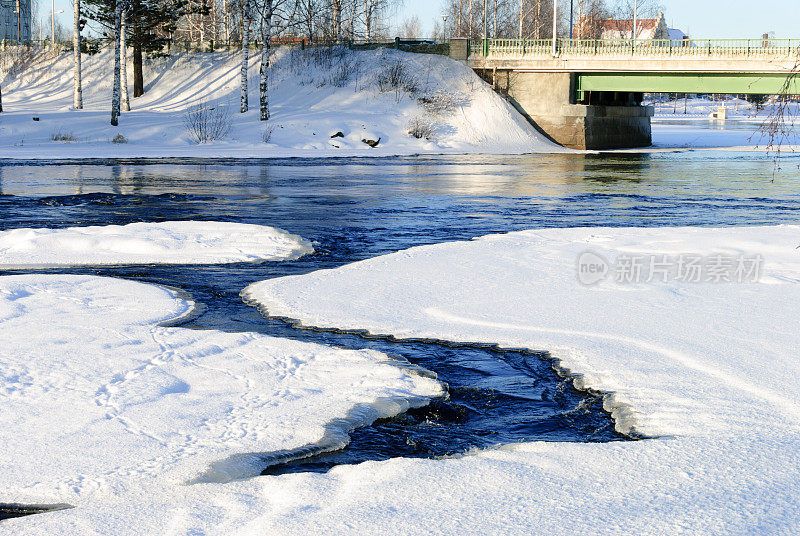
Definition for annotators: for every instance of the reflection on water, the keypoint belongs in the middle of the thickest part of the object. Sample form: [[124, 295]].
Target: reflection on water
[[359, 208]]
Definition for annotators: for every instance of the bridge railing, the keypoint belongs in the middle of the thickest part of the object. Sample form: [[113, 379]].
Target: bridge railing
[[507, 48]]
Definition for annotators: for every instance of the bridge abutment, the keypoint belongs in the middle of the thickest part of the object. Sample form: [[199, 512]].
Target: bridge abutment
[[612, 120]]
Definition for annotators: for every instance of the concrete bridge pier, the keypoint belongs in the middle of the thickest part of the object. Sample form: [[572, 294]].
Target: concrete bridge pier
[[590, 120]]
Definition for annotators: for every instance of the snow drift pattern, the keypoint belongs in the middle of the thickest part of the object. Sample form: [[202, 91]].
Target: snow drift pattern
[[313, 95], [708, 370], [107, 411], [176, 242]]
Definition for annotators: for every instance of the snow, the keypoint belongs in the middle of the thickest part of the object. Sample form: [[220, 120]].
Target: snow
[[171, 242], [688, 125], [313, 94], [148, 429], [706, 371]]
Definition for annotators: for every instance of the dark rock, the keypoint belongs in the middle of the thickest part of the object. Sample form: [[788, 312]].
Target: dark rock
[[339, 134], [371, 143], [35, 117]]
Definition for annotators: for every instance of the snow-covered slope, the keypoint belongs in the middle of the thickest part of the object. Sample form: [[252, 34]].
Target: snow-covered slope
[[313, 95], [172, 242], [148, 429], [708, 370]]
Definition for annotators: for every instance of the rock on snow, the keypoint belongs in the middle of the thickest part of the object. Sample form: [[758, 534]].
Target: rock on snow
[[313, 93]]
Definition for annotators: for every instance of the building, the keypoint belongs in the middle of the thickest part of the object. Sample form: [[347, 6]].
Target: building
[[15, 20], [645, 28]]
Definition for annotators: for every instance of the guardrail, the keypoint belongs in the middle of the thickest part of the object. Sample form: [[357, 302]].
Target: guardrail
[[636, 47]]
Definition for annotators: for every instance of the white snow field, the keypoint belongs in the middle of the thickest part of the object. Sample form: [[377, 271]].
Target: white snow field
[[154, 430], [707, 371], [313, 95], [170, 242]]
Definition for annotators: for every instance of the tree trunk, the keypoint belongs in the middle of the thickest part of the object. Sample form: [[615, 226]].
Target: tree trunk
[[126, 105], [245, 52], [367, 19], [337, 19], [263, 87], [138, 77], [77, 93], [115, 89]]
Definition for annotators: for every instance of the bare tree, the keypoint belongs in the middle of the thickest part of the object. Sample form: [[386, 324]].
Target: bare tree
[[77, 90], [590, 20], [245, 51], [266, 38], [779, 126], [116, 87], [126, 105], [410, 27]]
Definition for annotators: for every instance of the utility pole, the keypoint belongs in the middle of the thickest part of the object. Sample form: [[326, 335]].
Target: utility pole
[[52, 22], [555, 26], [635, 21]]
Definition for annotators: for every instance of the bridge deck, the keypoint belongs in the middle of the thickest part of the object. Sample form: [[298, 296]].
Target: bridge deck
[[594, 55]]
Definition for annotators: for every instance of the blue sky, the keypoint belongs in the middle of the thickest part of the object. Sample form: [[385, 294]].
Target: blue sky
[[722, 19]]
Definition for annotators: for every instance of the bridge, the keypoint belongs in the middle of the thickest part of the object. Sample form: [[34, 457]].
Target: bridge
[[587, 93]]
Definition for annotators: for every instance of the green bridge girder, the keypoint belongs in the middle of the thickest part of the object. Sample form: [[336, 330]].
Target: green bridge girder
[[687, 82]]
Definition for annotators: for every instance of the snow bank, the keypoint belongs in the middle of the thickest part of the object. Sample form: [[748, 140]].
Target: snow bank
[[175, 242], [707, 370], [147, 429], [314, 94]]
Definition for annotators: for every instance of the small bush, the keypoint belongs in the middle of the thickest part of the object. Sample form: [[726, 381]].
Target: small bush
[[440, 102], [420, 127], [205, 122], [61, 135], [266, 134], [395, 76], [119, 138]]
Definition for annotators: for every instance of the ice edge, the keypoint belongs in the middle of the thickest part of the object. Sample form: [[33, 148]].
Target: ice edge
[[622, 414]]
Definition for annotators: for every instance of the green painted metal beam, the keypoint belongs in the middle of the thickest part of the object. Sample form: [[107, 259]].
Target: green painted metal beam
[[687, 82]]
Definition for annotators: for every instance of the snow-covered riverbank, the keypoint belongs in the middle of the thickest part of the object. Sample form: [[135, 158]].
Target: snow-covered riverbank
[[314, 95], [707, 370], [150, 430]]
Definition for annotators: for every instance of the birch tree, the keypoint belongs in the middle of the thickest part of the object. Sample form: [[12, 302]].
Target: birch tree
[[116, 87], [77, 90], [126, 105], [266, 37], [245, 51]]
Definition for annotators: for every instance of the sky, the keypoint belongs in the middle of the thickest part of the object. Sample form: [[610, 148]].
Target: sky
[[720, 19], [709, 19]]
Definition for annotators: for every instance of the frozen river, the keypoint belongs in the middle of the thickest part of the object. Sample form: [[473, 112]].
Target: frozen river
[[354, 209]]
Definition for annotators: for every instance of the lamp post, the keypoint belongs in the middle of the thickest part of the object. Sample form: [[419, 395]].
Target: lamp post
[[555, 26], [52, 15], [635, 21], [444, 27]]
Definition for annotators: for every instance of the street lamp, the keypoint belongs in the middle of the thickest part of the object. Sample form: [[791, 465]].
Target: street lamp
[[52, 16], [444, 27], [555, 26]]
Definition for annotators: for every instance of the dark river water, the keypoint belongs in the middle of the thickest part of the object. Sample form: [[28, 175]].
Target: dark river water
[[352, 209]]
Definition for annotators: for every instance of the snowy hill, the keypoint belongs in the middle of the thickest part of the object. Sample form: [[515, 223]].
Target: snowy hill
[[314, 94]]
